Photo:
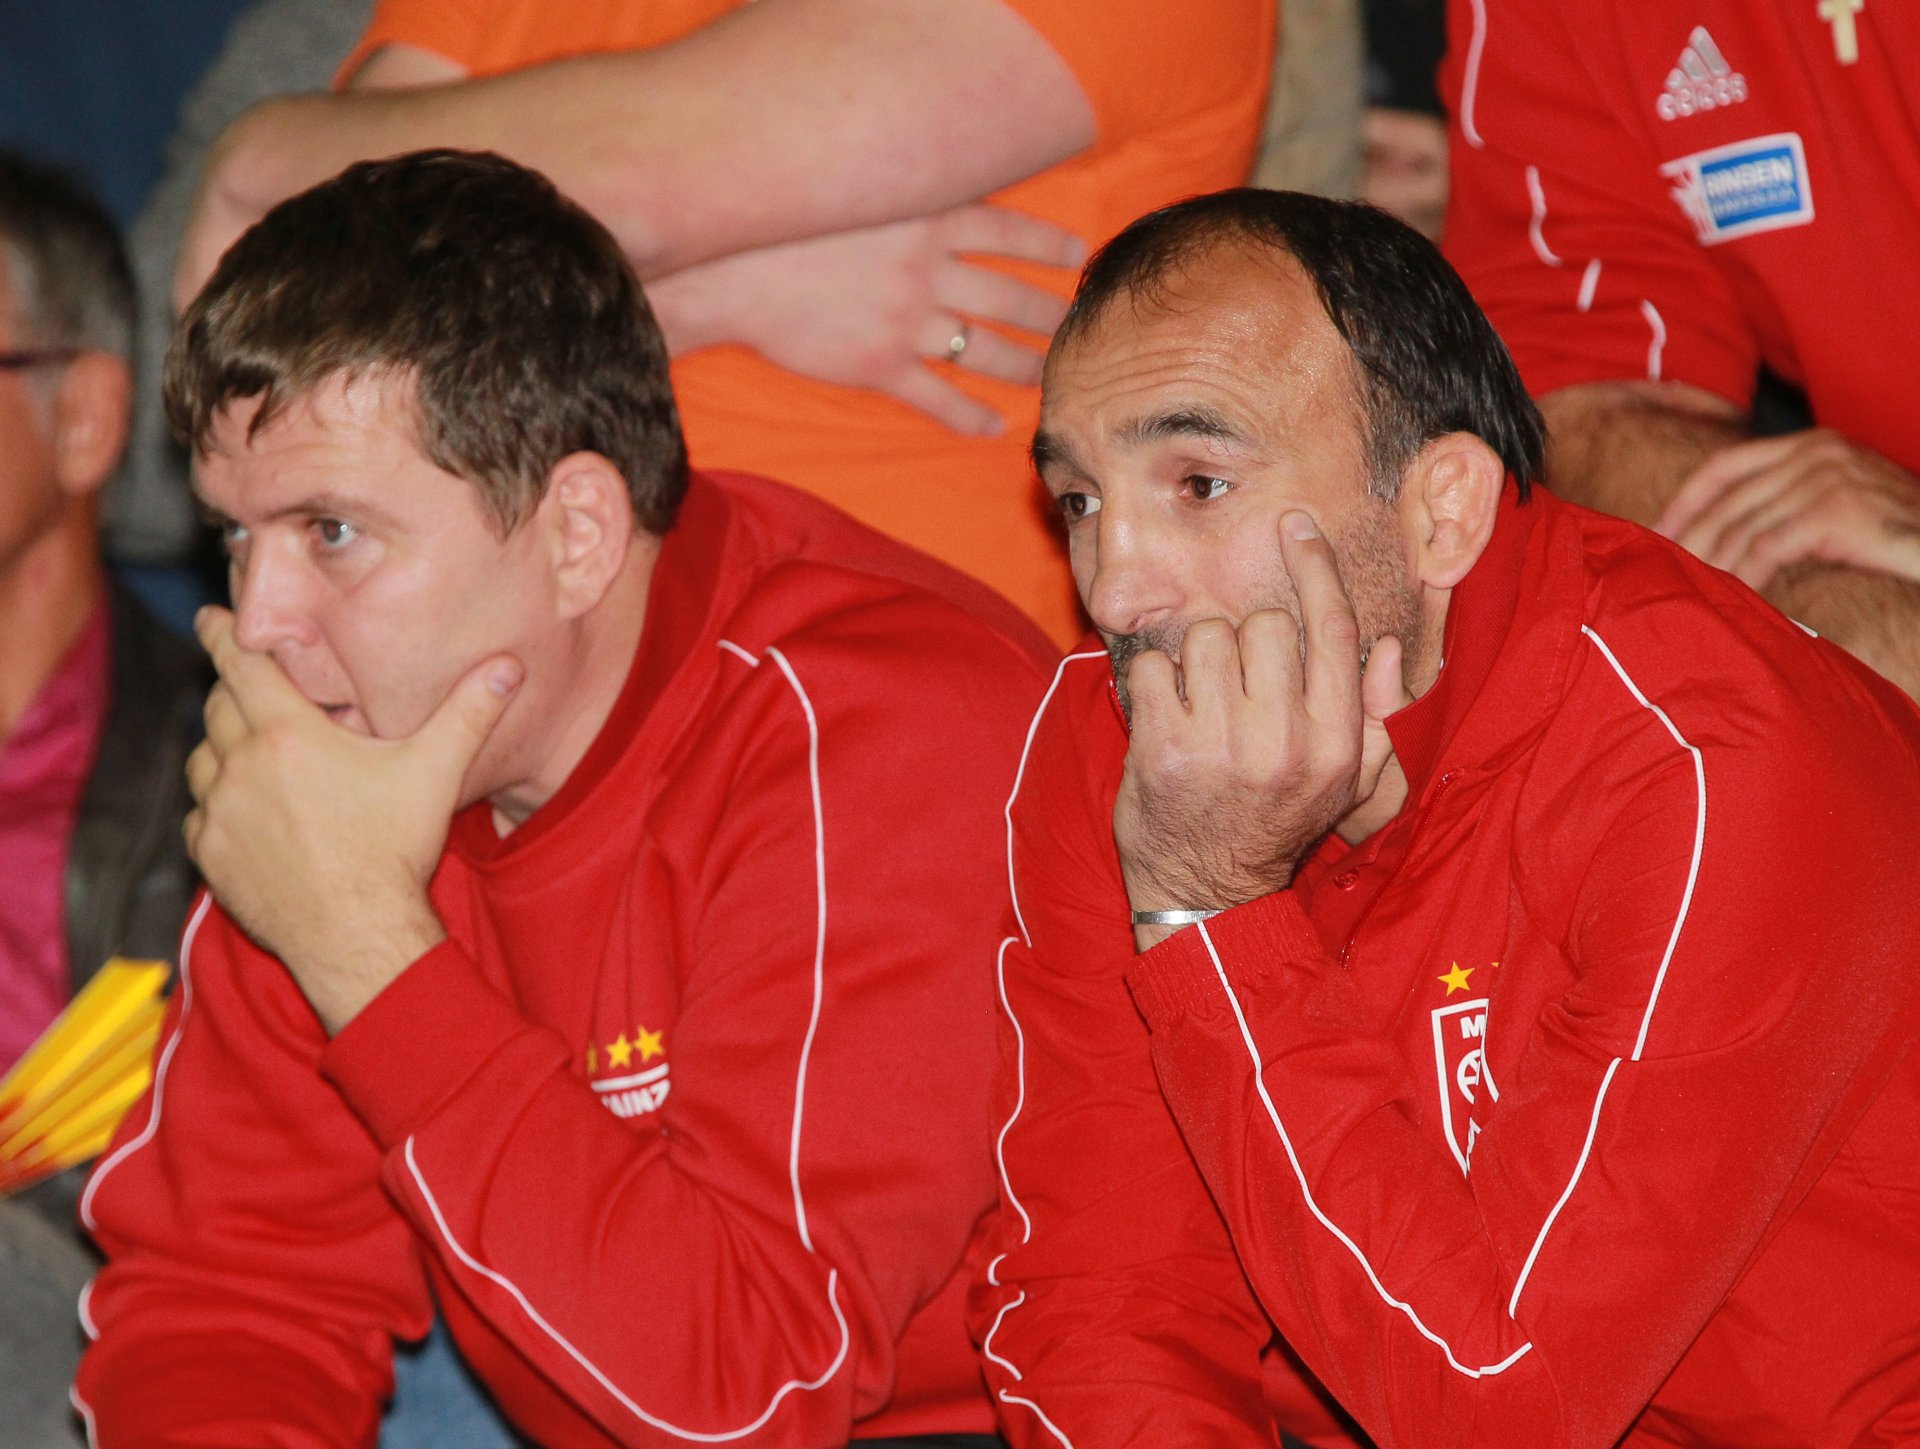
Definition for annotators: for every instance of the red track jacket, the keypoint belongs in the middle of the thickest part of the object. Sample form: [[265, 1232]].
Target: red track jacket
[[1577, 1103], [686, 1125]]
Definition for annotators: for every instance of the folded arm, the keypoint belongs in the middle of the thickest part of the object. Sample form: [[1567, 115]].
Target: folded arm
[[1827, 530], [781, 120]]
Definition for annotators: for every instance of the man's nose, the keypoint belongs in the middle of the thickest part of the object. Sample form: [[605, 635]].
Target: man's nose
[[1135, 583], [270, 605]]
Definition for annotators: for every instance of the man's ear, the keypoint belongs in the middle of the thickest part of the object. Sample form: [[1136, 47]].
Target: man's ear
[[588, 519], [1449, 498], [91, 408]]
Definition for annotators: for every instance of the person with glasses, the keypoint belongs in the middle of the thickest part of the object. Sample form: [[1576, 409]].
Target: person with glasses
[[99, 708]]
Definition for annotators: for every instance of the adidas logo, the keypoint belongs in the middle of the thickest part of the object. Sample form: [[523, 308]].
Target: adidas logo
[[1701, 80]]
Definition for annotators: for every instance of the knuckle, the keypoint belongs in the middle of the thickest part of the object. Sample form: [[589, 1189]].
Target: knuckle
[[1208, 633], [1340, 630]]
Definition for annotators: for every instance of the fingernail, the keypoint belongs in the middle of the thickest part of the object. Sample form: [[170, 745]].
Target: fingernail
[[200, 615], [504, 679], [1299, 525]]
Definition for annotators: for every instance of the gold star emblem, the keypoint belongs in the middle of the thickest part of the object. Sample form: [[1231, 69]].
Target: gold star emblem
[[650, 1044], [619, 1051], [1456, 979]]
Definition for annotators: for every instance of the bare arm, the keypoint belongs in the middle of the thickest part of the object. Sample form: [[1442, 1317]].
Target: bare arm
[[1626, 447], [858, 112], [1828, 531]]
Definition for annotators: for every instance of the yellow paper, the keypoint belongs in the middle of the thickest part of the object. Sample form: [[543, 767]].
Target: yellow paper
[[62, 1100]]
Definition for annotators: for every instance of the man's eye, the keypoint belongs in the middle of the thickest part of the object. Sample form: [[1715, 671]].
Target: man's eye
[[1076, 506], [334, 533], [1205, 489]]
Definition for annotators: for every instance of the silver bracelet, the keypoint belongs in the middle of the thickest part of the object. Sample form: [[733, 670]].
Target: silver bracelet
[[1173, 918]]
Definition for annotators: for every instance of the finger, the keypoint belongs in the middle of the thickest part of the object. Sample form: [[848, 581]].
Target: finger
[[1739, 549], [1721, 471], [1713, 531], [455, 731], [996, 297], [943, 402], [226, 726], [986, 352], [1383, 693], [1153, 692], [1331, 680], [1833, 528], [1383, 687], [1003, 232], [1210, 669], [259, 686], [1270, 657], [203, 768]]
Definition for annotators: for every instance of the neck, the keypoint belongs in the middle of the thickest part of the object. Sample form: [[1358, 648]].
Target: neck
[[47, 593], [608, 639]]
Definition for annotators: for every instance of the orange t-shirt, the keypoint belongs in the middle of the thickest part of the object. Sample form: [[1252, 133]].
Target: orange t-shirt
[[1177, 92]]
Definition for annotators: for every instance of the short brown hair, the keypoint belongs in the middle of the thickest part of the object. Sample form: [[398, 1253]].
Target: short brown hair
[[514, 312]]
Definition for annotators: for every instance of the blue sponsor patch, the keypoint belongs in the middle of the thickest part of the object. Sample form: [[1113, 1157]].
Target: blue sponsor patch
[[1750, 186]]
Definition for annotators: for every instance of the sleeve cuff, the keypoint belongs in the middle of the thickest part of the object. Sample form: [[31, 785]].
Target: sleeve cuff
[[1247, 945], [416, 1043]]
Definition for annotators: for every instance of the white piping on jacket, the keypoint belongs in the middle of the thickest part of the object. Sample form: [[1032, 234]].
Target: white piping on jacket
[[1589, 284], [533, 1314], [127, 1149], [1537, 195], [1658, 345], [793, 1164], [1666, 958], [1020, 1058], [1470, 82], [1306, 1193], [1020, 776]]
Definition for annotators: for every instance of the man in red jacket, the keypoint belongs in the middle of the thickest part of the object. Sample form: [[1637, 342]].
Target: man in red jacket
[[1466, 965], [603, 866]]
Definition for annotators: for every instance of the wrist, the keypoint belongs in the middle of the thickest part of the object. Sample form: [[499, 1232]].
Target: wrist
[[341, 972]]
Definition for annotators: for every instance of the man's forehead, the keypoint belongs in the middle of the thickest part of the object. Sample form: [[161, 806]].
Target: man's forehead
[[350, 439], [1232, 336]]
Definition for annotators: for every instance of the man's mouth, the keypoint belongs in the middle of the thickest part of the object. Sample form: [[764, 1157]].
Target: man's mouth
[[347, 717]]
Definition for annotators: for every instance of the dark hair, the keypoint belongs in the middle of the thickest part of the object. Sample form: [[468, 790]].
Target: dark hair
[[1429, 361], [514, 312], [65, 266]]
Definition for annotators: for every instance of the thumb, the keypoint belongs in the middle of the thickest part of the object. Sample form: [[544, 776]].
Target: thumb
[[455, 731], [1383, 691]]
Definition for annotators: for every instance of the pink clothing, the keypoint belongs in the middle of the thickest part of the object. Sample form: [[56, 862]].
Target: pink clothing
[[43, 771]]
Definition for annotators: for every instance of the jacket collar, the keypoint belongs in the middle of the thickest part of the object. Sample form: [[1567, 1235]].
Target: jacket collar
[[1480, 622]]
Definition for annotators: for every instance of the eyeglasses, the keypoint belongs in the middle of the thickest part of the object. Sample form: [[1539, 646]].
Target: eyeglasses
[[37, 357]]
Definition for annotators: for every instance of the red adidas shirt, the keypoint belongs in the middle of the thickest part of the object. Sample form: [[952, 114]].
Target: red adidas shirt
[[1578, 1103], [1648, 191]]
